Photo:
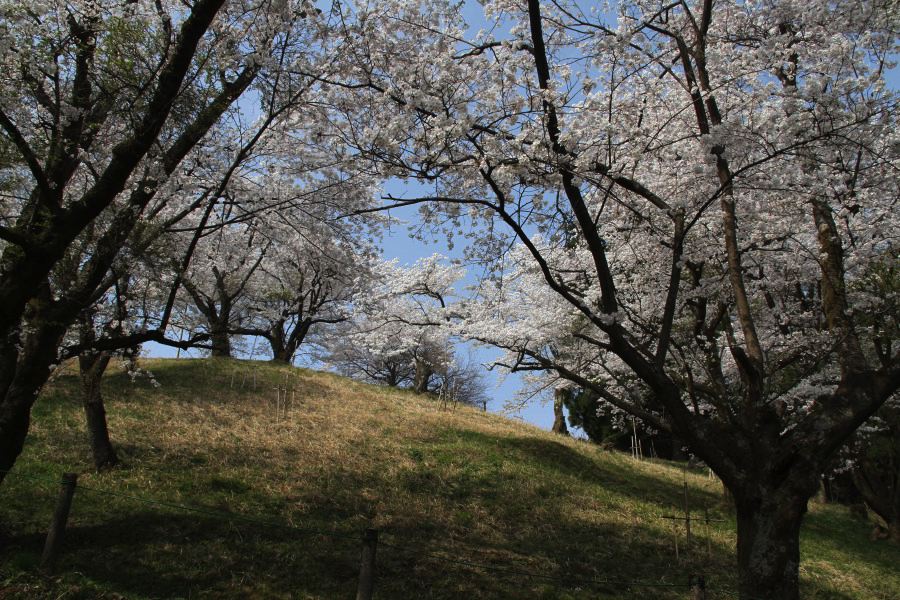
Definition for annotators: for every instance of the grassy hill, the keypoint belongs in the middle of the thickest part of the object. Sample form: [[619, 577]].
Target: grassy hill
[[468, 504]]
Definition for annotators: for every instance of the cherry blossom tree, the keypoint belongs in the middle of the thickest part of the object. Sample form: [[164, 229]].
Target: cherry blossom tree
[[401, 330], [309, 280], [101, 104], [678, 203], [217, 283]]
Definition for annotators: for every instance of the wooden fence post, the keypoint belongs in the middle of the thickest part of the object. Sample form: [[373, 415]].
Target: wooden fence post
[[367, 565], [698, 587], [687, 519], [58, 524]]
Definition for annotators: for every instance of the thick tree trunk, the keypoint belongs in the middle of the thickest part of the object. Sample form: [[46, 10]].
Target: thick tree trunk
[[677, 449], [15, 419], [559, 417], [92, 367], [877, 488], [282, 355], [768, 545], [422, 377], [289, 345], [392, 378], [280, 351], [220, 342], [23, 374]]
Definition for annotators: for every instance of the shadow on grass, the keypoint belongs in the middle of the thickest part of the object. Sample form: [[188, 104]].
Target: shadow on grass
[[526, 485], [169, 555], [620, 476]]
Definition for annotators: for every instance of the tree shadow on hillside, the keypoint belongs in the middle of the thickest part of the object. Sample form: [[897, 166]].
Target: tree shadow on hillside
[[619, 475], [538, 530], [573, 545], [182, 555]]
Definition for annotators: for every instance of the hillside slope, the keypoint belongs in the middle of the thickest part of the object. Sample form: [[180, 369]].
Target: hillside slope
[[468, 505]]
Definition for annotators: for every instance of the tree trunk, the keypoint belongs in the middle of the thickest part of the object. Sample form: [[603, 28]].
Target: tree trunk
[[677, 451], [559, 417], [423, 376], [220, 342], [876, 486], [92, 366], [281, 356], [294, 340], [894, 531], [15, 419], [280, 351], [23, 376], [768, 545]]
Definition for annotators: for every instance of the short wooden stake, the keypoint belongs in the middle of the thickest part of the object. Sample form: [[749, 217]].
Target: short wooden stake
[[675, 530], [367, 565], [698, 587], [275, 406], [708, 538], [58, 524], [687, 518]]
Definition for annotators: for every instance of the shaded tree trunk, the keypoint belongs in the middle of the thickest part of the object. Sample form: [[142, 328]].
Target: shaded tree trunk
[[275, 337], [284, 346], [393, 376], [91, 367], [15, 420], [422, 376], [282, 356], [677, 451], [23, 372], [220, 341], [559, 417], [768, 547], [881, 496], [216, 309]]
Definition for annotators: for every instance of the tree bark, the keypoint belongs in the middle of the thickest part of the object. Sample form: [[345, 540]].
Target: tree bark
[[894, 531], [422, 377], [878, 492], [15, 420], [92, 366], [220, 341], [768, 540], [24, 376], [559, 417], [281, 356], [280, 351]]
